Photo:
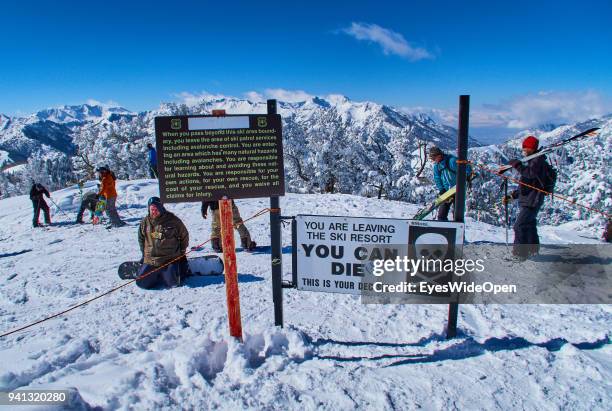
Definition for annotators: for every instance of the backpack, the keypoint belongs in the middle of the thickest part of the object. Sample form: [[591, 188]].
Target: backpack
[[469, 177], [549, 179]]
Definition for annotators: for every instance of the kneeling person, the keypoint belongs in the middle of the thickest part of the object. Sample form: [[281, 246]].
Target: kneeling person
[[163, 237], [89, 202]]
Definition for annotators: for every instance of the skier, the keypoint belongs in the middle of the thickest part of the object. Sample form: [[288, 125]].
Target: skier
[[215, 236], [38, 202], [89, 202], [110, 194], [152, 160], [163, 238], [535, 173], [445, 177]]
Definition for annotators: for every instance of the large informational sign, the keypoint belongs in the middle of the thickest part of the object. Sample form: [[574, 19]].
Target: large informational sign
[[336, 254], [211, 157]]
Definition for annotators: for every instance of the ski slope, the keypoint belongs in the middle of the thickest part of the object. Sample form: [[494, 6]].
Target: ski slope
[[170, 349]]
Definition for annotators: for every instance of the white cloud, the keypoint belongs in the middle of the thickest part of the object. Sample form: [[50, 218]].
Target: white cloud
[[554, 107], [254, 96], [527, 110], [109, 103], [192, 99], [289, 96], [390, 41]]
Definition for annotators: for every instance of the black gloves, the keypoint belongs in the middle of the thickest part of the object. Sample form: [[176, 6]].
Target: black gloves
[[515, 163]]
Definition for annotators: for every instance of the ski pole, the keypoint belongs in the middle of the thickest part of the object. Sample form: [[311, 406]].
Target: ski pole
[[58, 207], [506, 222]]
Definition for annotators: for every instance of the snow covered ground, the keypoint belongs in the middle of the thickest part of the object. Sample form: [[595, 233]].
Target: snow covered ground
[[169, 349]]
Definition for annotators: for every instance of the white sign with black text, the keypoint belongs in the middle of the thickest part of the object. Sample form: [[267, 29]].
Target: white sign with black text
[[335, 254]]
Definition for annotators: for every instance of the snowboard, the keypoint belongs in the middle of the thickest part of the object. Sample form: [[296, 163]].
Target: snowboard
[[99, 211], [129, 270], [442, 198], [203, 265]]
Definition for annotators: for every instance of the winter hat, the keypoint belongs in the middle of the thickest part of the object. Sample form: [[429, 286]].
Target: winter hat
[[435, 151], [531, 142], [157, 202]]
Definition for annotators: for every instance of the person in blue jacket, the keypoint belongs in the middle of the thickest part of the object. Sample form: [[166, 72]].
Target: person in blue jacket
[[445, 177], [152, 160]]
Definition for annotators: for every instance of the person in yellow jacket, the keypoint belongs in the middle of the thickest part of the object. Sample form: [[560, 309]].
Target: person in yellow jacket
[[108, 191]]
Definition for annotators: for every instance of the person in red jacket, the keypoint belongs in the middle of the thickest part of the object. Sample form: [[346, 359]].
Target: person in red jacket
[[107, 190], [526, 239]]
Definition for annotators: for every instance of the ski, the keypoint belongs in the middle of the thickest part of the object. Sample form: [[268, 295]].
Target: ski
[[442, 198], [590, 132]]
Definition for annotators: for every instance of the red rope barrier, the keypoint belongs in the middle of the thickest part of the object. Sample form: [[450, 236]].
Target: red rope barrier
[[259, 213]]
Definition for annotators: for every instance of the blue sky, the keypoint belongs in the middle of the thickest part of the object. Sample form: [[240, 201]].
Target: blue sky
[[522, 62]]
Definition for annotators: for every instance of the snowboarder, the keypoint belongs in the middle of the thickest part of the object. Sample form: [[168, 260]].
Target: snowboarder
[[535, 173], [445, 177], [152, 160], [110, 195], [162, 237], [215, 236], [38, 202], [89, 202]]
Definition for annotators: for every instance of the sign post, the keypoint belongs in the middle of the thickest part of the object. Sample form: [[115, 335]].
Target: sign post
[[276, 246], [462, 148], [231, 268]]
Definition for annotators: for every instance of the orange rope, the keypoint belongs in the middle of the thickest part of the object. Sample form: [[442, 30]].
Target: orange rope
[[259, 213], [569, 200]]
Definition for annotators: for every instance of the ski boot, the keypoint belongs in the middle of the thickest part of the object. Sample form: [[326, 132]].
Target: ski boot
[[247, 244], [216, 245]]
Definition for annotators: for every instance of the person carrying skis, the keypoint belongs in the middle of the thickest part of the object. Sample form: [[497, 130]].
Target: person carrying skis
[[607, 235], [534, 173], [215, 235], [38, 203], [163, 239], [445, 177], [89, 202], [108, 191], [152, 155]]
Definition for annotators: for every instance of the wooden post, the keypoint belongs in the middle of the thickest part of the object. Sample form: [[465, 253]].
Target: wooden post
[[231, 268]]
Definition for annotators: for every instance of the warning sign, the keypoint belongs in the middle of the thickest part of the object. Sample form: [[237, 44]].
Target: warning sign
[[343, 254], [209, 157]]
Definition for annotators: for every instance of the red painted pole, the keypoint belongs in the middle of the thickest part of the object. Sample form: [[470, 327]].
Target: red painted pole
[[231, 268]]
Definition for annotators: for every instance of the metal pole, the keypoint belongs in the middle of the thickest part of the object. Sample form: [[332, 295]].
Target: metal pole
[[462, 148], [294, 253], [276, 245], [506, 221]]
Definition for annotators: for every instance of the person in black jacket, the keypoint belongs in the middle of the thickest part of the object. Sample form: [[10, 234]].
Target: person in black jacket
[[526, 239], [38, 202]]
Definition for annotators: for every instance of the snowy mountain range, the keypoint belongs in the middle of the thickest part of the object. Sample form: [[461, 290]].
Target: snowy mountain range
[[331, 144]]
